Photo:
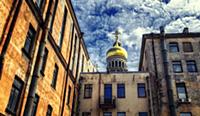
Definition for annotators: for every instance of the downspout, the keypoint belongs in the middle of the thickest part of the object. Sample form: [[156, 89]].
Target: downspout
[[8, 37], [75, 98], [68, 71], [156, 73], [166, 73], [36, 70]]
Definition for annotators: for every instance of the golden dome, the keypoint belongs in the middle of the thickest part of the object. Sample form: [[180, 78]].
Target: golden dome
[[117, 50]]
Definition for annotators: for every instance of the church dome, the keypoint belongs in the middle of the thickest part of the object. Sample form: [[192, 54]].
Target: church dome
[[117, 50]]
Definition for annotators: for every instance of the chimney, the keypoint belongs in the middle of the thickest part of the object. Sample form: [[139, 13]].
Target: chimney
[[186, 30]]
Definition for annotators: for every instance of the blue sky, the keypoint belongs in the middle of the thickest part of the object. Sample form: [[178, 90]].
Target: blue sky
[[98, 19]]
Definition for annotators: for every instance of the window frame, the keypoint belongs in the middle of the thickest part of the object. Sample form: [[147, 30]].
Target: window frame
[[141, 86], [69, 95], [181, 85], [121, 86], [49, 109], [187, 47], [109, 113], [55, 76], [175, 63], [173, 45], [88, 88], [36, 101], [143, 113], [186, 113], [122, 113], [194, 64]]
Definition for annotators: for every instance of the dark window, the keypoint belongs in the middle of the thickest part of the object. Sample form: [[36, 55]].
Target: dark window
[[185, 114], [82, 63], [69, 95], [121, 90], [187, 47], [88, 91], [173, 47], [181, 90], [116, 64], [120, 63], [108, 93], [121, 113], [53, 15], [74, 53], [62, 29], [86, 114], [141, 90], [14, 96], [177, 66], [49, 110], [44, 60], [29, 43], [107, 114], [123, 64], [112, 63], [191, 66], [55, 74], [35, 104], [39, 3], [143, 114]]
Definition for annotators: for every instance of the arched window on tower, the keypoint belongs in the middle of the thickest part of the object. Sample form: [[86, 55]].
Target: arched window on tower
[[116, 63], [120, 63], [109, 64], [112, 63], [123, 64]]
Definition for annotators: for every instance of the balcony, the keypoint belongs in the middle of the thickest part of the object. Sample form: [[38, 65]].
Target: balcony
[[107, 103]]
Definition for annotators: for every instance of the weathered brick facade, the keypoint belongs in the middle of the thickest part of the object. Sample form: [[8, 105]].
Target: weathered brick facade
[[152, 61], [15, 63]]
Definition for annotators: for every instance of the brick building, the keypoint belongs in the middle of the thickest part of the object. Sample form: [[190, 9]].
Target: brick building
[[42, 52], [172, 60]]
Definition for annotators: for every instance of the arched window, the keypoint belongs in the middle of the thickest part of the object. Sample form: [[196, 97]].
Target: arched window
[[109, 64], [116, 63], [112, 63], [120, 63], [123, 64]]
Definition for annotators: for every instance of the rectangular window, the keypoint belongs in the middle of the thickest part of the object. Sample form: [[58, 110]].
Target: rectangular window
[[121, 90], [121, 113], [29, 43], [187, 47], [107, 114], [177, 66], [35, 105], [86, 114], [49, 110], [82, 63], [185, 114], [143, 114], [74, 53], [44, 60], [107, 93], [14, 96], [173, 47], [88, 91], [62, 29], [181, 91], [141, 90], [53, 15], [191, 66], [55, 74], [69, 95]]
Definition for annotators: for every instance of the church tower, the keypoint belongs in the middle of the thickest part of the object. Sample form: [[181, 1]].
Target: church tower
[[117, 57]]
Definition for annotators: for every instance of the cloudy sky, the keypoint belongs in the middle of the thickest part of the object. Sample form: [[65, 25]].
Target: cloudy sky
[[98, 19]]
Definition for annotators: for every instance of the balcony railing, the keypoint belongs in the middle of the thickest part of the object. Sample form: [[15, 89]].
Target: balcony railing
[[107, 103]]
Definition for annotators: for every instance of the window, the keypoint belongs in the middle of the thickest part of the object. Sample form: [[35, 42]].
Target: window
[[35, 104], [69, 95], [177, 66], [39, 3], [53, 15], [191, 66], [86, 114], [116, 64], [88, 91], [55, 74], [74, 53], [49, 110], [141, 90], [44, 60], [62, 29], [112, 63], [181, 90], [121, 90], [14, 96], [121, 113], [173, 47], [120, 63], [29, 43], [187, 47], [107, 114], [143, 114], [185, 114], [82, 63]]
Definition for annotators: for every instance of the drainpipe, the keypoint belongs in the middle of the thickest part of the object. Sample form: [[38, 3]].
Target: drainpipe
[[166, 75], [36, 70], [10, 31]]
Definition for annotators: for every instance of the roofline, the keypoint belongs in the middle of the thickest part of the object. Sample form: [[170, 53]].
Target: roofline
[[104, 72], [158, 36]]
